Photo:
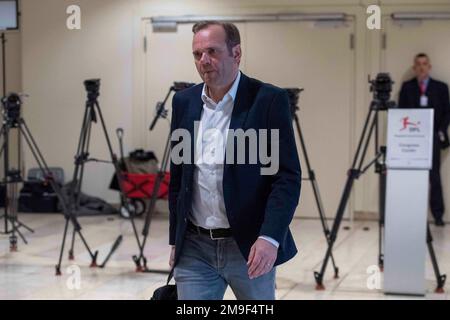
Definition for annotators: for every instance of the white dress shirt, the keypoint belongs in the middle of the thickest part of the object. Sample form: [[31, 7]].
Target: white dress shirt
[[208, 206]]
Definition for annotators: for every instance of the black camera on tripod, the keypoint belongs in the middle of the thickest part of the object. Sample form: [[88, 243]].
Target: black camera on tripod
[[178, 86], [11, 106], [381, 87], [92, 87], [293, 96]]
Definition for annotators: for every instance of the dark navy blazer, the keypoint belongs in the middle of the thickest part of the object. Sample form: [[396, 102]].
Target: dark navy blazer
[[255, 204], [438, 99]]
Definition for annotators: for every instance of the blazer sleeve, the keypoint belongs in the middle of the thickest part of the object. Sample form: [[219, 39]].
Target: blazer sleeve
[[175, 176], [443, 125], [403, 97], [285, 184]]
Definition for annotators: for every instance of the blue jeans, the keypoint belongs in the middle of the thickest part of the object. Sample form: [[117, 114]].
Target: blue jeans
[[206, 267]]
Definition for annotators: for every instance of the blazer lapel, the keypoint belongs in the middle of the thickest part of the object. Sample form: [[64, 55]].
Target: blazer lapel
[[416, 100], [241, 104], [195, 108], [430, 89], [194, 114], [238, 116]]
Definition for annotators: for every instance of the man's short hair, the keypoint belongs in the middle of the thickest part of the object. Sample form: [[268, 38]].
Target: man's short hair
[[421, 55], [232, 36]]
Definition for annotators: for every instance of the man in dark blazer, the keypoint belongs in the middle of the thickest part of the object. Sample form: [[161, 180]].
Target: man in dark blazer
[[425, 92], [229, 223]]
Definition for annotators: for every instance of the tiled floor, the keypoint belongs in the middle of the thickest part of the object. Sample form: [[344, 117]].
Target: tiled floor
[[30, 274]]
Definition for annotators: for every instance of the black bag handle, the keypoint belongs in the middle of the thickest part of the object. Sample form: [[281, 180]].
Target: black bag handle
[[170, 276]]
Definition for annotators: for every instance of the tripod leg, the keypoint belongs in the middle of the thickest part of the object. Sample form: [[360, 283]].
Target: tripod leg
[[13, 217], [440, 278], [14, 210], [16, 229], [151, 207], [148, 218], [2, 130], [141, 258], [85, 153], [118, 173], [337, 221], [80, 158], [46, 172], [353, 174], [93, 255], [325, 228], [77, 229], [13, 237], [13, 241], [21, 224], [380, 244], [6, 170], [382, 203], [58, 266], [71, 254], [115, 245], [315, 187]]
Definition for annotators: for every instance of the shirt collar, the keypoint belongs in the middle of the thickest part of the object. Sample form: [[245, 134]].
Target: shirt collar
[[426, 81], [231, 93]]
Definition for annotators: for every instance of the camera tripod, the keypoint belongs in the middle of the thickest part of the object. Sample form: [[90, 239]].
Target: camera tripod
[[90, 115], [140, 260], [13, 119], [382, 88], [12, 177], [293, 94]]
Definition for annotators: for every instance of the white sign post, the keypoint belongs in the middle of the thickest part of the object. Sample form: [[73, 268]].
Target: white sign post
[[409, 159]]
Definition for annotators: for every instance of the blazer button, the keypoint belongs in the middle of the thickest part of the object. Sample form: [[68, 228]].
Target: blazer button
[[187, 189]]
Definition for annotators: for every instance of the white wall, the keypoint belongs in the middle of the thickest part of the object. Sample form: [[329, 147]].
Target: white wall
[[55, 61]]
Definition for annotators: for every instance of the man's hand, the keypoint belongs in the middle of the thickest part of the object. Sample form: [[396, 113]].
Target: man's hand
[[172, 257], [261, 259]]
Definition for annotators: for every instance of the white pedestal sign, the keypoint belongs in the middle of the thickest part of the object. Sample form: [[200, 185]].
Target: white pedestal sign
[[409, 159]]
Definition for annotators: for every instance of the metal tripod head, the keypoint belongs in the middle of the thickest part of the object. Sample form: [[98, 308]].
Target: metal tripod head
[[93, 88], [381, 105], [11, 109], [92, 97], [93, 92], [161, 111], [293, 95], [381, 87]]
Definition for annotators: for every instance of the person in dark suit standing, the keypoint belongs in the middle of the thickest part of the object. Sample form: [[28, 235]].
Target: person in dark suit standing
[[229, 222], [426, 92]]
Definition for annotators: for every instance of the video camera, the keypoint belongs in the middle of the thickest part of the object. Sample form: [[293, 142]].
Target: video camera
[[178, 86], [92, 87], [381, 87], [11, 106], [293, 95]]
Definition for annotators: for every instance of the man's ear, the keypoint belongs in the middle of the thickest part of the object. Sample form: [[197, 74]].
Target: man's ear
[[237, 53]]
